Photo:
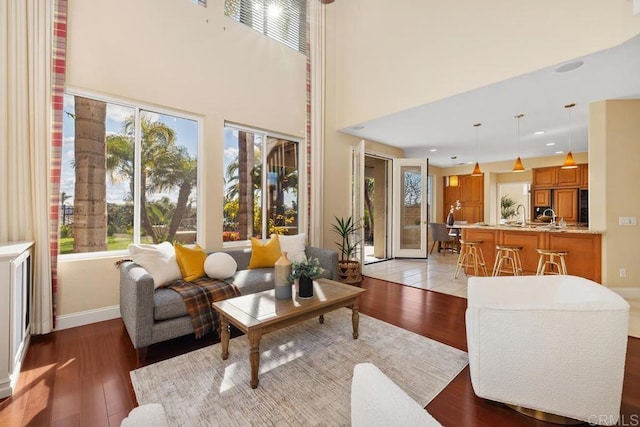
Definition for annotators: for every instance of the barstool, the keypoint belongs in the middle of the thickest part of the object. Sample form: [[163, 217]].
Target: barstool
[[471, 256], [547, 257], [509, 255]]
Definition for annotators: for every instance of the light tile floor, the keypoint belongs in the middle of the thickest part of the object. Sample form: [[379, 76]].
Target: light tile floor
[[436, 274]]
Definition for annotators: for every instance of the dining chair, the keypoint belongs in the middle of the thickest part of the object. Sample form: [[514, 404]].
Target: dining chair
[[440, 234]]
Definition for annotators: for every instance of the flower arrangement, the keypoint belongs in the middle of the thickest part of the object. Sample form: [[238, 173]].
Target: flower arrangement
[[457, 207], [309, 267]]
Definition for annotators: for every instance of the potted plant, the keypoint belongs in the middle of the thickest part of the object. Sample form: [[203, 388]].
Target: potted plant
[[349, 269], [305, 271], [507, 208]]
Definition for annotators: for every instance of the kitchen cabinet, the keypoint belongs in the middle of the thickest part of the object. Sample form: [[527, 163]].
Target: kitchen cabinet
[[470, 193], [584, 176], [584, 247], [555, 176], [565, 204], [568, 177], [545, 177], [471, 188], [541, 198], [471, 213], [560, 189], [16, 277]]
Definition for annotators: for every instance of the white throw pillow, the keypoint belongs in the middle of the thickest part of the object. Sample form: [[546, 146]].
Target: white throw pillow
[[220, 265], [159, 261], [294, 246]]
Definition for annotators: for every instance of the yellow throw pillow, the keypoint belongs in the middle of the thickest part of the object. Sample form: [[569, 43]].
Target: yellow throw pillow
[[264, 254], [191, 262]]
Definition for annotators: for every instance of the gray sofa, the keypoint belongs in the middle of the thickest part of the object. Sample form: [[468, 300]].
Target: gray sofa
[[155, 315]]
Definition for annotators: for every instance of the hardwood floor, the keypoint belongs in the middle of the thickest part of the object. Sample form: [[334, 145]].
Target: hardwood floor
[[80, 376]]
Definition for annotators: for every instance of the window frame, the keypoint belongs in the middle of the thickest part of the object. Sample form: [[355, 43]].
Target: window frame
[[151, 108], [302, 179], [302, 36]]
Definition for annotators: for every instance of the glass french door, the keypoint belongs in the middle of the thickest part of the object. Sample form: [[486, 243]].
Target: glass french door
[[357, 195], [410, 208]]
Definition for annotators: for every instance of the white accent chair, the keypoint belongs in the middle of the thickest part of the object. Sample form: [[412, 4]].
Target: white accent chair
[[376, 401], [555, 344]]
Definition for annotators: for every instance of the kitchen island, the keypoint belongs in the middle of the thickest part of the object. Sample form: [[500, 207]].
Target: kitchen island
[[584, 245]]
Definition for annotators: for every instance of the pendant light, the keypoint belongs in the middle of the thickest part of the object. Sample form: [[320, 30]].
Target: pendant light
[[476, 168], [518, 167], [569, 163]]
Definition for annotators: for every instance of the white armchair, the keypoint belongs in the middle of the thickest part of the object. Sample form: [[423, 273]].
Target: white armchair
[[555, 344]]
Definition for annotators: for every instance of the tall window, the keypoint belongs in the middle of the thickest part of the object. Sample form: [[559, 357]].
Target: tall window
[[281, 20], [257, 204], [108, 148]]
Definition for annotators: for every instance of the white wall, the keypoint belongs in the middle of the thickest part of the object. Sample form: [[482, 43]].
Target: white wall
[[178, 55], [614, 149], [394, 55]]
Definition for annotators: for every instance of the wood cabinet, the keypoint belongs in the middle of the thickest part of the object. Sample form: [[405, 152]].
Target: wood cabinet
[[585, 249], [16, 279], [584, 176], [471, 189], [471, 213], [545, 177], [569, 177], [555, 176], [541, 198], [470, 193], [585, 253], [565, 204], [559, 188]]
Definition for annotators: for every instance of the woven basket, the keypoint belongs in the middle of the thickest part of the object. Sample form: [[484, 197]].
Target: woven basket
[[350, 272]]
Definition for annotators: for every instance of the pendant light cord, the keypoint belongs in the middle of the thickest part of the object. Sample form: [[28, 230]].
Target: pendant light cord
[[519, 116], [569, 107]]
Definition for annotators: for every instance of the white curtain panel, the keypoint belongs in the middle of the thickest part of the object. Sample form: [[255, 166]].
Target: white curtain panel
[[25, 118], [316, 54]]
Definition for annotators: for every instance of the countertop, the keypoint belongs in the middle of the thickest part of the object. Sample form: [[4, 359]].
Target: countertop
[[537, 227]]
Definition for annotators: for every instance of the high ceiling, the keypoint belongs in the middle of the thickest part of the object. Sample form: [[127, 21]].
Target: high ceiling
[[446, 126]]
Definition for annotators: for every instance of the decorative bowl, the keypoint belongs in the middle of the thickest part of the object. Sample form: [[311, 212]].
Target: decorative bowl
[[544, 218]]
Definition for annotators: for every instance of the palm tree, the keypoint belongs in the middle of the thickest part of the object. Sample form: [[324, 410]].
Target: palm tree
[[287, 179], [165, 166], [90, 202], [245, 185], [180, 171]]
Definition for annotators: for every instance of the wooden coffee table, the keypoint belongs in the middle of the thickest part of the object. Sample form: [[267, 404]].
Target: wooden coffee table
[[260, 313]]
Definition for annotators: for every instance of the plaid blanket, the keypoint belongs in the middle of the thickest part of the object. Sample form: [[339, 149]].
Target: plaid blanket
[[199, 296]]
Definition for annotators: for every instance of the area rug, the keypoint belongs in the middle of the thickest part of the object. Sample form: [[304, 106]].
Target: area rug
[[305, 374]]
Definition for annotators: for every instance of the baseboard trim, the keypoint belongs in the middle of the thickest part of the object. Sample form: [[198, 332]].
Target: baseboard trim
[[627, 292], [87, 317]]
